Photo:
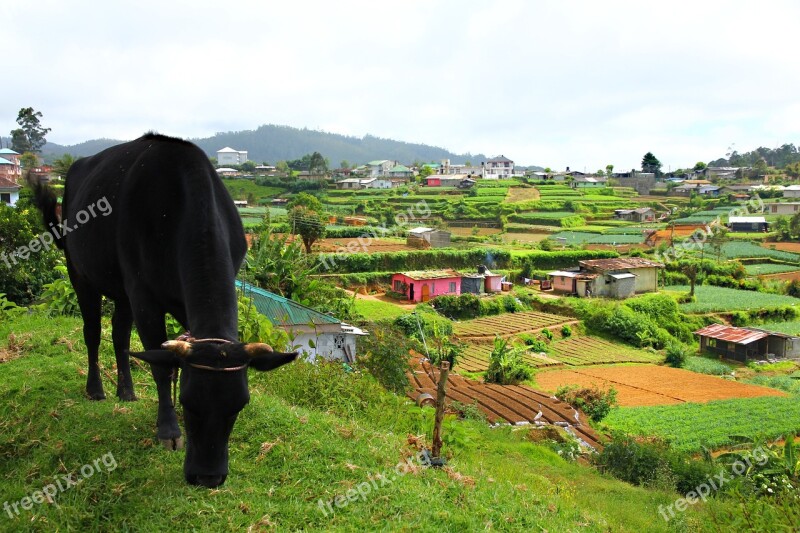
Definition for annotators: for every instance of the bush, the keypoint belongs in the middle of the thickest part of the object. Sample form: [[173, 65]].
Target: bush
[[593, 401], [652, 463], [547, 334], [676, 354], [506, 366], [384, 354], [566, 331]]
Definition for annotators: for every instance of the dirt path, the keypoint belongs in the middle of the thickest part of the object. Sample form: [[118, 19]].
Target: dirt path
[[382, 298]]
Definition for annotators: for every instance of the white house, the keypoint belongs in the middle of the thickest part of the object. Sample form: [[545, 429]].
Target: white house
[[314, 334], [792, 191], [381, 167], [9, 191], [498, 168], [229, 156]]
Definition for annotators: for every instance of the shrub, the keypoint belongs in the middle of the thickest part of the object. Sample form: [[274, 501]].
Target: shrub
[[593, 401], [566, 331], [384, 354], [506, 366], [676, 354], [547, 334], [9, 308]]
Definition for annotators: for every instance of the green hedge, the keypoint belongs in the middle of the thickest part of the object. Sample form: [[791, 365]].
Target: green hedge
[[543, 260], [417, 260]]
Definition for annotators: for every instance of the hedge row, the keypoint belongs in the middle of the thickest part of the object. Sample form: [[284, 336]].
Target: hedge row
[[543, 260], [416, 260]]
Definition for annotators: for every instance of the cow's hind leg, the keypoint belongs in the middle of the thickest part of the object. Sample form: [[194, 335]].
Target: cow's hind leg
[[153, 334], [121, 324], [90, 303]]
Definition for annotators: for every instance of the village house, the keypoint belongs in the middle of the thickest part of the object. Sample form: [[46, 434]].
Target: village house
[[229, 156], [421, 286], [785, 208], [792, 191], [452, 180], [613, 278], [641, 214], [10, 165], [584, 182], [720, 173], [313, 177], [743, 344], [380, 167], [747, 224], [9, 191], [400, 171], [316, 335], [498, 168]]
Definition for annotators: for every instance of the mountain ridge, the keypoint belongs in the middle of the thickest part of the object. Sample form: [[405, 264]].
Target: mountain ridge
[[271, 143]]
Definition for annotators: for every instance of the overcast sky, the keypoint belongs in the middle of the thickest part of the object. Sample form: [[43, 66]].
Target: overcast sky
[[578, 83]]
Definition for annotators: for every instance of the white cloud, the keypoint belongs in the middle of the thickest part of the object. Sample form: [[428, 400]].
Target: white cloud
[[576, 83]]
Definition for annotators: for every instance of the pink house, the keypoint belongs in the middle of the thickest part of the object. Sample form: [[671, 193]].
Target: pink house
[[421, 286]]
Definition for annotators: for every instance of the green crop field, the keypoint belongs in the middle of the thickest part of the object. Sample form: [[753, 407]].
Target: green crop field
[[378, 310], [690, 426], [715, 299], [577, 351], [790, 328], [761, 269], [736, 250]]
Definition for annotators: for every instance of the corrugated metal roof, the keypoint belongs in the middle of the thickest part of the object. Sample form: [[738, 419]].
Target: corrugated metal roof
[[282, 311], [621, 263], [746, 220], [731, 334]]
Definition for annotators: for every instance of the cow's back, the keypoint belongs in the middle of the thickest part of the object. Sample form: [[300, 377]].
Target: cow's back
[[172, 226]]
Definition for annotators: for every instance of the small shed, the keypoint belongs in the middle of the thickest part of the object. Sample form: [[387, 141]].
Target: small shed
[[421, 286], [428, 238], [748, 224], [742, 344]]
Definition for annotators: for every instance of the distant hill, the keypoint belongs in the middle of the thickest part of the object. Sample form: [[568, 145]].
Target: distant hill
[[271, 143]]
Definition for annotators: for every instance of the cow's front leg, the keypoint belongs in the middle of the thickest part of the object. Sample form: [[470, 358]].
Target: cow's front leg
[[169, 433]]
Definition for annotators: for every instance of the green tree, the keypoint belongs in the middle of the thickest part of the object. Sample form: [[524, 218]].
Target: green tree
[[62, 165], [699, 166], [344, 163], [247, 166], [308, 224], [650, 163], [718, 238], [609, 170], [28, 160], [425, 171], [29, 137], [282, 167], [306, 200], [317, 163]]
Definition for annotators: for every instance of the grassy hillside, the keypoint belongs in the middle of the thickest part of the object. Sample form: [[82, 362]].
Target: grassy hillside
[[310, 434]]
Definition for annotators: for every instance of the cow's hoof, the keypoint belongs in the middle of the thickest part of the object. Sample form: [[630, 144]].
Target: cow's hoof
[[127, 396], [96, 395], [172, 444]]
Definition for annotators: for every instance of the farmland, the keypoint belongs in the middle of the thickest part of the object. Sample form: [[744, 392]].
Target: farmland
[[690, 426], [761, 269], [578, 351], [508, 324], [653, 385], [476, 358], [717, 299]]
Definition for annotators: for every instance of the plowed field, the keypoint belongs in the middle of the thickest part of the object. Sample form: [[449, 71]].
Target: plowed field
[[515, 404], [654, 385]]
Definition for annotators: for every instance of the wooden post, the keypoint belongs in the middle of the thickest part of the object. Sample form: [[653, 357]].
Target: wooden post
[[444, 370]]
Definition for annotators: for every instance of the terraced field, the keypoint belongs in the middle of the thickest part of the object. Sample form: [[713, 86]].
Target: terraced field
[[508, 324], [476, 358], [579, 351]]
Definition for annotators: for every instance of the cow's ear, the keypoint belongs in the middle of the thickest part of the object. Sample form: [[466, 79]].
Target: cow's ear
[[158, 357], [263, 358]]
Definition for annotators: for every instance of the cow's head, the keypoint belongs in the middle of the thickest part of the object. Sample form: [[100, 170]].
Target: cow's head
[[213, 389]]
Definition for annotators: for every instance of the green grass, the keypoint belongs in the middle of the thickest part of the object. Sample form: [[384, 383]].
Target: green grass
[[704, 365], [310, 433], [373, 310], [790, 328], [240, 189], [737, 250], [716, 299], [689, 426]]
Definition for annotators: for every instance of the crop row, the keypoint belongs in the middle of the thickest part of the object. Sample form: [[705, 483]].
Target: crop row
[[690, 426], [508, 323], [578, 351], [716, 299]]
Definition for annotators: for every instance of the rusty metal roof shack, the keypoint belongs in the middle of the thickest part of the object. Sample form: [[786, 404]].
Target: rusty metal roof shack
[[742, 344], [731, 334]]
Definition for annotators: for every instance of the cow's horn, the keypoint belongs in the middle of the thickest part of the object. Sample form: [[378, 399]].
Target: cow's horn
[[181, 348], [254, 349]]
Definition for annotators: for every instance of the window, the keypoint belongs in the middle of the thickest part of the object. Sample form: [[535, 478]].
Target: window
[[338, 342], [5, 197], [452, 286], [398, 286]]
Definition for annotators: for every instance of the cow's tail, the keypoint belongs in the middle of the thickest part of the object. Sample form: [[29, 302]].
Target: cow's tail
[[44, 198]]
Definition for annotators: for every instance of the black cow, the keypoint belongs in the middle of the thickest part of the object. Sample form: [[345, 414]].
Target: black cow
[[170, 241]]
